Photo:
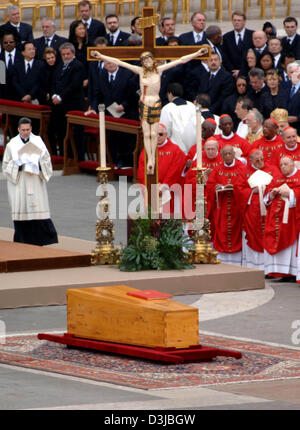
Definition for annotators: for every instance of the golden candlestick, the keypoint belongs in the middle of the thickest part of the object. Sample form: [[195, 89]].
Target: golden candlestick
[[203, 253], [105, 251]]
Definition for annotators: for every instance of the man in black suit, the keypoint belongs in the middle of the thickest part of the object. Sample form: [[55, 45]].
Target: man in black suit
[[96, 69], [197, 35], [291, 42], [257, 86], [67, 94], [236, 43], [259, 39], [21, 30], [10, 56], [115, 36], [293, 97], [27, 75], [218, 83], [167, 29], [275, 48], [117, 86], [95, 28], [49, 38], [214, 39]]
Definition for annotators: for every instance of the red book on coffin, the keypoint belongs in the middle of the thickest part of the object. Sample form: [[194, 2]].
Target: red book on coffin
[[149, 295]]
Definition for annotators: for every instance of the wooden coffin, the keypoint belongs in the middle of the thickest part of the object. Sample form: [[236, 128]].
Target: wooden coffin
[[110, 314]]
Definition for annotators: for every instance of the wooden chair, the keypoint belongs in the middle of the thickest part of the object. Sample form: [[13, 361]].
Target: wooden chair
[[162, 7], [136, 4], [50, 6], [103, 4], [28, 4]]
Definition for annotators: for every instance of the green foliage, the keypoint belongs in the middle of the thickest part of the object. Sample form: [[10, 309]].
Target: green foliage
[[156, 245]]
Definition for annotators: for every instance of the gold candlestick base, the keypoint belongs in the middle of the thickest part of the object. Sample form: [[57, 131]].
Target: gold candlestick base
[[203, 253], [105, 251]]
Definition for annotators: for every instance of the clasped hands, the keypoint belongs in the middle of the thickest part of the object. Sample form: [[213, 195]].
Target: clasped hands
[[284, 193]]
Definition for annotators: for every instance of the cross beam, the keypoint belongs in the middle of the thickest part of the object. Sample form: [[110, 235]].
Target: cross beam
[[148, 22]]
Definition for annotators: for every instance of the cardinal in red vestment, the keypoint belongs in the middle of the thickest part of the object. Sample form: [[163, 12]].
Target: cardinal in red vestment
[[271, 141], [291, 147], [254, 218], [228, 137], [281, 232], [224, 189], [211, 158]]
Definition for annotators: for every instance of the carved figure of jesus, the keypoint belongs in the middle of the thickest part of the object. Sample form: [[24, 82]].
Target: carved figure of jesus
[[150, 104]]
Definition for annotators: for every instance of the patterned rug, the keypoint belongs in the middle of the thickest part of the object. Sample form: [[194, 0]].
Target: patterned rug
[[259, 363]]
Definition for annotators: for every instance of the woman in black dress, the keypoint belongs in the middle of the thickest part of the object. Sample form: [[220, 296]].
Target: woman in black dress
[[78, 36], [275, 97]]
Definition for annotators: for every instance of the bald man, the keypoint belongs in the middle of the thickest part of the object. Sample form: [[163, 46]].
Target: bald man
[[211, 158], [225, 206]]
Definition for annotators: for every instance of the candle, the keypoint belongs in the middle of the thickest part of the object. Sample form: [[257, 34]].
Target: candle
[[199, 136], [101, 109]]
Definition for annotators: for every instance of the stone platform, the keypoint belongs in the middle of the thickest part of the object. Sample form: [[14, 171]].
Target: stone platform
[[48, 287]]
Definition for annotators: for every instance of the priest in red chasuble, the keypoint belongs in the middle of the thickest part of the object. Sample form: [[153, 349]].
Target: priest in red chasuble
[[211, 158], [271, 141], [259, 176], [171, 162], [291, 147], [281, 232], [228, 137], [224, 188]]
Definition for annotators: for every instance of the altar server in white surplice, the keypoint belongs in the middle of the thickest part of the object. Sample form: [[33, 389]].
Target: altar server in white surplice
[[27, 167], [179, 117]]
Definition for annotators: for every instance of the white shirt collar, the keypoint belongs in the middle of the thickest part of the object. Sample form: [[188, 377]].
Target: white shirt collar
[[163, 144], [115, 34], [231, 165], [88, 22], [227, 137], [13, 53], [195, 34], [294, 171], [242, 33], [292, 149], [28, 62], [215, 72]]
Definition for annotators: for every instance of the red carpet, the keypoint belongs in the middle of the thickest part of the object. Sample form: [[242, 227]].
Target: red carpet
[[18, 257], [259, 363]]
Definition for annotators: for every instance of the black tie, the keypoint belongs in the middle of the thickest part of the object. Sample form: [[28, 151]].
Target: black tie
[[211, 76], [111, 39], [28, 68], [111, 79], [239, 44], [10, 63], [47, 42]]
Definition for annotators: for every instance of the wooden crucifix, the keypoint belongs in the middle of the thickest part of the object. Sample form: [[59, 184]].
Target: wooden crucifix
[[150, 72]]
